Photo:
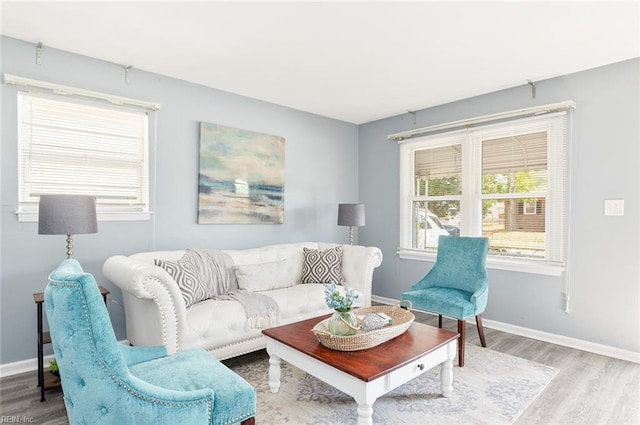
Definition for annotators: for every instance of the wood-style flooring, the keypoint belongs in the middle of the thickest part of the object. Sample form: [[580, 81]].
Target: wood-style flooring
[[588, 390]]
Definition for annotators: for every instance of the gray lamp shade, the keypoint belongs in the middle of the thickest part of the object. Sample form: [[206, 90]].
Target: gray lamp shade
[[67, 215], [351, 215]]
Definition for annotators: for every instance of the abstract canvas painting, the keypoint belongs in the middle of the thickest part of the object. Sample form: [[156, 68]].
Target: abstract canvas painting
[[241, 176]]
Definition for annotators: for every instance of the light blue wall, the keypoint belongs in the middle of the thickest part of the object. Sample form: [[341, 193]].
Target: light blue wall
[[320, 169], [605, 253], [325, 161]]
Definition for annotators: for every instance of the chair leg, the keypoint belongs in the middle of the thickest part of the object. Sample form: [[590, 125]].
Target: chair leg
[[250, 421], [462, 331], [480, 330], [440, 321]]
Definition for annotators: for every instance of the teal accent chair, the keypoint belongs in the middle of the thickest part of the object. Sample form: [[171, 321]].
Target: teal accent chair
[[105, 382], [456, 286]]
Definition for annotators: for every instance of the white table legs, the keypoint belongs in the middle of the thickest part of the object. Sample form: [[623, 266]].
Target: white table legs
[[446, 371], [446, 378], [274, 373], [365, 407]]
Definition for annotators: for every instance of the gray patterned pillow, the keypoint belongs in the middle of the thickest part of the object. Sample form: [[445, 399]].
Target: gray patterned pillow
[[185, 273], [322, 266]]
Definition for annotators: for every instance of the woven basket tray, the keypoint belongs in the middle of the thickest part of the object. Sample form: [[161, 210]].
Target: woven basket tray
[[402, 319]]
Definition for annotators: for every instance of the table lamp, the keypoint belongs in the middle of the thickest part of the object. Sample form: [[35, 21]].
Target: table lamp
[[351, 215], [67, 215]]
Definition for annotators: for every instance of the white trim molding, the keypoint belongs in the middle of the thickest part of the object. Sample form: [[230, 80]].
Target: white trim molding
[[26, 215], [30, 365], [565, 341], [23, 366]]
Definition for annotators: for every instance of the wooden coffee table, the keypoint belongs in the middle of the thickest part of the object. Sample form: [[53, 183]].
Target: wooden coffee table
[[368, 374]]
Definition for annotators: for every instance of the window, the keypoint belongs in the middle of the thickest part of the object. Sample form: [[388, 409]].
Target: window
[[70, 146], [530, 207], [504, 181]]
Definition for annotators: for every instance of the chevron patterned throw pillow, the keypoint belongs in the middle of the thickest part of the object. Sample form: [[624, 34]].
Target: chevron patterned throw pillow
[[322, 266], [185, 273]]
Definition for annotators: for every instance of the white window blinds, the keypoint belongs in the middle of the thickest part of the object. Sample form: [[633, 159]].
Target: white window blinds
[[67, 146]]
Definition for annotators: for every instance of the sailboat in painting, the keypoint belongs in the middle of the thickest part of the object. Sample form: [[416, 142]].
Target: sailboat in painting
[[242, 188]]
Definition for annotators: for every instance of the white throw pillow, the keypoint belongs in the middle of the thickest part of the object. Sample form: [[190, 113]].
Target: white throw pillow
[[263, 276]]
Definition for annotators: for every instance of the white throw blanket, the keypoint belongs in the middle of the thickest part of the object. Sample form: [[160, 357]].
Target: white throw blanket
[[216, 267], [261, 310]]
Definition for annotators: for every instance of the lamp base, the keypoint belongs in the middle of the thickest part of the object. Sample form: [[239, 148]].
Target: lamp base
[[69, 246], [350, 235]]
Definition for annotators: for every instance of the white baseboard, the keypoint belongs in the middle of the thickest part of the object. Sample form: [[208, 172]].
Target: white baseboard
[[23, 366], [565, 341], [29, 365]]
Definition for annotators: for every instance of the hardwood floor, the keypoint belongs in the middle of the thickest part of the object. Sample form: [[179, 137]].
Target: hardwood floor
[[589, 389], [20, 402]]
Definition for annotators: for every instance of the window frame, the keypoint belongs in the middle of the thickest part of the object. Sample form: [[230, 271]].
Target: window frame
[[471, 198], [140, 210]]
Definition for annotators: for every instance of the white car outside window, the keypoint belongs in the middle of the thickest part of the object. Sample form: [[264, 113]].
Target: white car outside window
[[428, 237]]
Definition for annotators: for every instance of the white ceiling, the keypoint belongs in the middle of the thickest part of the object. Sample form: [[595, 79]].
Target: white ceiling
[[355, 61]]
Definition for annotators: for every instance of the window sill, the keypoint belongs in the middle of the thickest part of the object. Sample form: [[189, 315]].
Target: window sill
[[32, 216], [493, 262]]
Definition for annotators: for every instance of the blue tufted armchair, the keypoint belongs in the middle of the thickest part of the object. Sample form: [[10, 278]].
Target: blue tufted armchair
[[456, 286], [105, 382]]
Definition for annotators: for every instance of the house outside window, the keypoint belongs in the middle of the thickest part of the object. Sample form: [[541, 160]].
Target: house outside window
[[80, 147], [504, 181]]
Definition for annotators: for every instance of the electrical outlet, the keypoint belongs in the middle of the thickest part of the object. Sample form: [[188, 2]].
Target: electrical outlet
[[614, 207]]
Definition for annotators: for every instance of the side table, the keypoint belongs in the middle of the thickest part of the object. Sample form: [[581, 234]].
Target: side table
[[49, 381]]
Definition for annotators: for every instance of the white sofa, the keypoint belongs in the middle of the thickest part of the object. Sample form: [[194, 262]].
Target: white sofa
[[156, 313]]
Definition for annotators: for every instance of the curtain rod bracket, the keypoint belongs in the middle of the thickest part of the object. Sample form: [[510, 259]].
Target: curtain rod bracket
[[533, 89], [39, 53], [413, 113]]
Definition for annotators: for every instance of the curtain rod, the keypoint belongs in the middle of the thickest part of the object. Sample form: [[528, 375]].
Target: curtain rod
[[60, 89], [536, 110]]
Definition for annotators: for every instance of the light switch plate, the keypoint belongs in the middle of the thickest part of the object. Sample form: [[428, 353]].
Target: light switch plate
[[614, 207]]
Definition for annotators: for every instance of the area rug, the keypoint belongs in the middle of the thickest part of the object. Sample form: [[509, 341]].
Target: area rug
[[492, 388]]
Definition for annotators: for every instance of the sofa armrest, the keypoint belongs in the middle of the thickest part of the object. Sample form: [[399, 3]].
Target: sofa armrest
[[358, 263], [130, 275], [144, 281]]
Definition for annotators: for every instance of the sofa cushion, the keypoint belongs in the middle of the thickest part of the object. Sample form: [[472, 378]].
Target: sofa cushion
[[218, 322], [263, 276], [322, 266]]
